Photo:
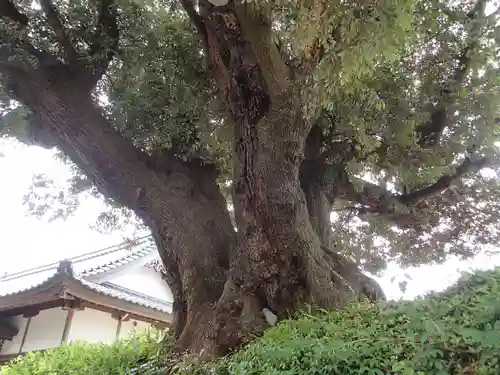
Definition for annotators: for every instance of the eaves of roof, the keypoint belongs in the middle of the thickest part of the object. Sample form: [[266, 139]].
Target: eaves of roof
[[49, 289], [119, 300], [64, 282]]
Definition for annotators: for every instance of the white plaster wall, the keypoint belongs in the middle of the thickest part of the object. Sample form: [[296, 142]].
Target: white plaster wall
[[92, 326], [130, 325], [12, 347], [45, 330], [146, 281]]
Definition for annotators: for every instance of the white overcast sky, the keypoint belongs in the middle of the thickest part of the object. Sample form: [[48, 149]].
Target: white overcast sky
[[29, 242]]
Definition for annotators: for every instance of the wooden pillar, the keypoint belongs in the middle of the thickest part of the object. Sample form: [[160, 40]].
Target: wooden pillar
[[71, 305], [25, 333], [29, 313], [67, 325], [120, 317], [118, 328]]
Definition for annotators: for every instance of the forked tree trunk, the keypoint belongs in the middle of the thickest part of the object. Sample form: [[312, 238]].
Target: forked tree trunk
[[280, 262], [280, 258]]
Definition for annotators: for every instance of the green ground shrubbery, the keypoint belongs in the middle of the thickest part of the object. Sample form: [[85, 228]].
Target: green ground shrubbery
[[81, 358], [457, 332]]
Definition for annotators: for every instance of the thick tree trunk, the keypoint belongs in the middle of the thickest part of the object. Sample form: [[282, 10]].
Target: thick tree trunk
[[280, 262], [179, 201], [221, 283]]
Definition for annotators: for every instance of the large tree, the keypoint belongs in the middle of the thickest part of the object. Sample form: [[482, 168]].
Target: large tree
[[382, 112]]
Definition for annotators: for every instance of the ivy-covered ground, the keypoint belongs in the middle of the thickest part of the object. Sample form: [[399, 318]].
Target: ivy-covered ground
[[455, 332]]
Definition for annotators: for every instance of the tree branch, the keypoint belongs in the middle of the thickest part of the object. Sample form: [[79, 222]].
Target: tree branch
[[55, 23], [430, 131], [314, 53], [443, 182], [105, 40], [8, 10], [23, 57], [11, 49], [195, 18], [395, 207]]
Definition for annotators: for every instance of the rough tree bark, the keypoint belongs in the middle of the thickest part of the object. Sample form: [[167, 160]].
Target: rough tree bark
[[179, 201], [323, 183], [280, 262], [281, 257]]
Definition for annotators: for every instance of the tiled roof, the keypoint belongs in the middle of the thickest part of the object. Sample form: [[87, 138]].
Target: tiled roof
[[9, 288], [141, 256], [21, 284], [127, 258], [97, 262], [118, 292]]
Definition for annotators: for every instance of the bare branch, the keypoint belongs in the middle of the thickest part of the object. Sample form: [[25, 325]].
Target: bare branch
[[9, 11], [55, 23]]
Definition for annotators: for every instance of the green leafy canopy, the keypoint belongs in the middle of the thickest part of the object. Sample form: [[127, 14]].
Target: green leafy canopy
[[390, 71]]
